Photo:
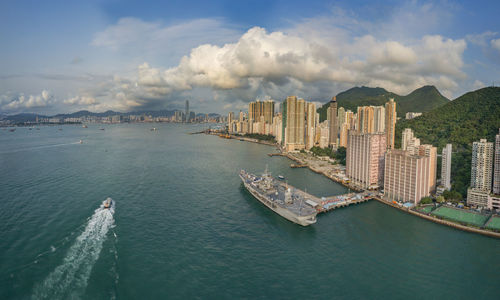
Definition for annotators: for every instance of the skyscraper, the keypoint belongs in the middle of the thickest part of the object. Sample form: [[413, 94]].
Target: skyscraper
[[311, 125], [496, 167], [187, 111], [371, 119], [446, 167], [333, 122], [365, 158], [295, 123], [259, 108], [481, 171], [390, 122]]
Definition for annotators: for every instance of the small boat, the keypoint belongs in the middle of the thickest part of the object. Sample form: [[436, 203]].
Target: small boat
[[81, 142], [85, 126], [12, 130], [108, 203], [101, 129], [281, 177], [154, 129]]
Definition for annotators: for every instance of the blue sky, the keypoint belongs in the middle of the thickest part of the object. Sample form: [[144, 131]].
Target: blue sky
[[62, 56]]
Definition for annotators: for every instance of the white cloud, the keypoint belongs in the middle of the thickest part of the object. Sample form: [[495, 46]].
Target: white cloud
[[495, 44], [271, 63], [81, 100], [21, 102], [480, 39]]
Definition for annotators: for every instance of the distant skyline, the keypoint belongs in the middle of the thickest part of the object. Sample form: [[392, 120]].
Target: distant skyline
[[60, 57]]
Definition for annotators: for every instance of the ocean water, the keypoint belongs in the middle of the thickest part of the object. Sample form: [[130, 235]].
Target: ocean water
[[184, 227]]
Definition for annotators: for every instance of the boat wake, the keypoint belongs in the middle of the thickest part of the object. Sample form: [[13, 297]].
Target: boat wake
[[69, 280], [39, 147]]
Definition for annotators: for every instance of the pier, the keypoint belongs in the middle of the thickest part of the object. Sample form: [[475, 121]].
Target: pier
[[326, 204]]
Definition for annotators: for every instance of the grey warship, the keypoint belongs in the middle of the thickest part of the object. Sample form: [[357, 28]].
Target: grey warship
[[281, 198]]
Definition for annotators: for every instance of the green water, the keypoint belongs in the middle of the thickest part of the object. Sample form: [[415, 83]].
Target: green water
[[184, 227]]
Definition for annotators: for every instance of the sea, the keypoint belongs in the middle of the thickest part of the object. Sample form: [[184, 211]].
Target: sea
[[183, 226]]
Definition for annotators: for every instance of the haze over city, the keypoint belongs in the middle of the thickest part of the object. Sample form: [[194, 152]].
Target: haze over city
[[60, 57]]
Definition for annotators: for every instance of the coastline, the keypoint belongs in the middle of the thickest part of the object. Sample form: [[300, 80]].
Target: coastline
[[404, 209]]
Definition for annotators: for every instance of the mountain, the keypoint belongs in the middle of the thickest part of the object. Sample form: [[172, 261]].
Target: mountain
[[423, 99], [470, 117]]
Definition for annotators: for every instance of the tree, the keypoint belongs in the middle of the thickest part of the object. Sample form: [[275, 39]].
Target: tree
[[440, 199], [426, 200]]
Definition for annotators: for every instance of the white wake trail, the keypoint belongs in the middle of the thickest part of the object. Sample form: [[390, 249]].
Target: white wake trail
[[69, 280]]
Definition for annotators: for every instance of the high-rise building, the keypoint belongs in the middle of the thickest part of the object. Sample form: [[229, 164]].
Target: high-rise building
[[187, 111], [324, 134], [343, 135], [481, 171], [390, 122], [258, 109], [311, 125], [409, 142], [496, 167], [446, 167], [371, 119], [333, 122], [365, 158], [406, 176], [295, 124], [431, 152], [340, 118]]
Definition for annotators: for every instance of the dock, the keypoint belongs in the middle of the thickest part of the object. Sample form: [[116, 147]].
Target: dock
[[326, 204], [276, 154]]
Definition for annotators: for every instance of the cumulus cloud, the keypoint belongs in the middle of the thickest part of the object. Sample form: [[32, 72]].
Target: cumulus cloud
[[211, 63], [276, 64], [81, 100], [22, 102]]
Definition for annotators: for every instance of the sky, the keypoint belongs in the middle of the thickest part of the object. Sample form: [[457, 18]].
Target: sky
[[65, 56]]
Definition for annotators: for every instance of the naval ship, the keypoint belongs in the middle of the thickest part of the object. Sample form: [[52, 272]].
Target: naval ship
[[281, 198]]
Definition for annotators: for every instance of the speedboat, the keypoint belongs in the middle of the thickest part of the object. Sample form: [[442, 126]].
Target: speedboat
[[108, 203], [281, 177]]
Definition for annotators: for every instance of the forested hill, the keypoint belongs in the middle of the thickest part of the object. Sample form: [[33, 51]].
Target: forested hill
[[423, 99], [469, 118]]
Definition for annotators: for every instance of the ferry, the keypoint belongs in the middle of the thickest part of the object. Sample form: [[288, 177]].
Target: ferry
[[108, 203]]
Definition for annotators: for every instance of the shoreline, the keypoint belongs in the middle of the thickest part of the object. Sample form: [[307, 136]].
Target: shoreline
[[442, 221], [445, 222]]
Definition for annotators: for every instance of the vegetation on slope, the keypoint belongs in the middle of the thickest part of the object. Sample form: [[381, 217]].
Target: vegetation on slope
[[469, 118], [420, 100]]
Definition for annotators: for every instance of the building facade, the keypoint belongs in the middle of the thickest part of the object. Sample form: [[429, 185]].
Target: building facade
[[333, 123], [446, 167], [481, 173], [365, 159], [390, 122], [406, 176]]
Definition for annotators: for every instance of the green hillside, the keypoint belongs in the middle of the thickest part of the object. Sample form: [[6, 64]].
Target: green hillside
[[470, 117], [421, 100]]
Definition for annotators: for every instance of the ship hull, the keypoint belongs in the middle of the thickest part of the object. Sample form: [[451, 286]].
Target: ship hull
[[301, 220]]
